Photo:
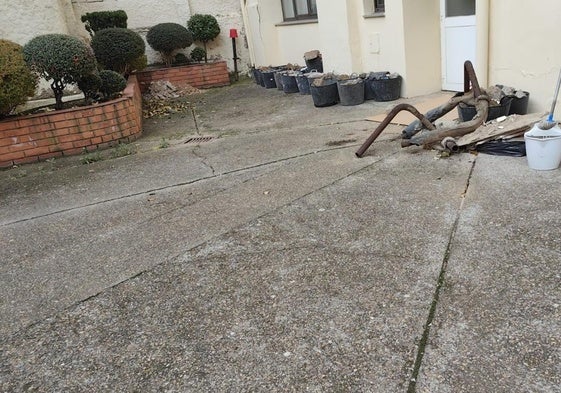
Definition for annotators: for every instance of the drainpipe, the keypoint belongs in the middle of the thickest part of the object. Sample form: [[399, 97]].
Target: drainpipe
[[482, 41]]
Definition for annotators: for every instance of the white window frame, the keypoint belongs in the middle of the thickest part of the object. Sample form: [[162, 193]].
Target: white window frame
[[374, 8], [298, 17]]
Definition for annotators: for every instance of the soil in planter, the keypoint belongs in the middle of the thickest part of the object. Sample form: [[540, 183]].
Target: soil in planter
[[76, 103]]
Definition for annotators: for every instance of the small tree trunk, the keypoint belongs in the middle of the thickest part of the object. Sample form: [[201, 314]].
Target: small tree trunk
[[58, 88], [206, 59]]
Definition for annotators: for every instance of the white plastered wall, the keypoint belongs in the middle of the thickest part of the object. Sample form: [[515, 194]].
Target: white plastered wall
[[229, 16], [21, 20], [140, 17]]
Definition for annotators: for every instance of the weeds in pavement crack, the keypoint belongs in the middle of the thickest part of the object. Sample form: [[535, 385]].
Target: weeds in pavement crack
[[440, 282]]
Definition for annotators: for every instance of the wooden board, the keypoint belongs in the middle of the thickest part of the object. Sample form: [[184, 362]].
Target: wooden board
[[513, 125]]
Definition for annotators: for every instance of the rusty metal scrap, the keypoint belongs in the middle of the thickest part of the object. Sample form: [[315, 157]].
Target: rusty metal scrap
[[424, 132], [430, 137], [398, 108]]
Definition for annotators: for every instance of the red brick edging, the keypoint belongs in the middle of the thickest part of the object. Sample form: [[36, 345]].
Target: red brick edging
[[201, 76], [32, 138]]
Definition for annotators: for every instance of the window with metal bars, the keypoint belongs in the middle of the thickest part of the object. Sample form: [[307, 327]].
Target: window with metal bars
[[379, 6], [299, 9]]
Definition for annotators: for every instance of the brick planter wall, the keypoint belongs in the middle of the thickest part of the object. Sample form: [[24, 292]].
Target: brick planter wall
[[32, 138], [201, 76]]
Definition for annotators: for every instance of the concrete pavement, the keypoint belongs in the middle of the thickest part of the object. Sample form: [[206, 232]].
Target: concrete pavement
[[272, 259]]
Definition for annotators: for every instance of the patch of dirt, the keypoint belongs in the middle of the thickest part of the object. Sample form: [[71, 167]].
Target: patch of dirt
[[340, 143]]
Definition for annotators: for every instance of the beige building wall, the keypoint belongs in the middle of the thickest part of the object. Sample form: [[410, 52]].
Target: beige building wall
[[273, 42], [382, 40], [421, 21], [524, 48]]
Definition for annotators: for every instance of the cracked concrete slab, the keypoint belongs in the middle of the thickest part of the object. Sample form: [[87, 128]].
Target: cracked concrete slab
[[272, 259], [498, 322], [88, 249], [329, 292]]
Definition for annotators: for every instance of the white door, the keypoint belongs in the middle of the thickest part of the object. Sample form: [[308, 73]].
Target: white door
[[458, 37]]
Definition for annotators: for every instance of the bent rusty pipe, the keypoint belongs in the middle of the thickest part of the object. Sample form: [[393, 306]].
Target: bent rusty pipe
[[436, 113], [429, 138], [398, 108], [469, 76], [450, 144]]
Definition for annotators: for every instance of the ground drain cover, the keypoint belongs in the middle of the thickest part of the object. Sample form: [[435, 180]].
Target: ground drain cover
[[199, 139]]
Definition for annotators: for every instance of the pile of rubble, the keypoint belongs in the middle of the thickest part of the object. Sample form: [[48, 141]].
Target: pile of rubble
[[163, 98], [165, 90]]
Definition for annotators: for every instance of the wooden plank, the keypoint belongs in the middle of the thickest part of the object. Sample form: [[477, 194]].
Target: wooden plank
[[513, 125]]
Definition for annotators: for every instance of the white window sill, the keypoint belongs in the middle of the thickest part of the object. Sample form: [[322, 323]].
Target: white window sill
[[375, 15], [297, 22]]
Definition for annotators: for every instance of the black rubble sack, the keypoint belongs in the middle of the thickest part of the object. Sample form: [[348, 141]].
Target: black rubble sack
[[503, 148]]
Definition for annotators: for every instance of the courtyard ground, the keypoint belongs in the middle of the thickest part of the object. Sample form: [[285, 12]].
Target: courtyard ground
[[271, 259]]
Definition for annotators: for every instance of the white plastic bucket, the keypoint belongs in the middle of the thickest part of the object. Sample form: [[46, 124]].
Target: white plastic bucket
[[543, 148]]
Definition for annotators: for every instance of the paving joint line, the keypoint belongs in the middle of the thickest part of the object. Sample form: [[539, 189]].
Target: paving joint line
[[412, 388], [177, 255], [180, 184]]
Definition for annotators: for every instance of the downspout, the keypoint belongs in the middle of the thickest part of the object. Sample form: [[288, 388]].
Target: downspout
[[482, 41]]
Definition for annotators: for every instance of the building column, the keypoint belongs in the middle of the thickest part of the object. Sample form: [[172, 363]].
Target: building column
[[482, 41]]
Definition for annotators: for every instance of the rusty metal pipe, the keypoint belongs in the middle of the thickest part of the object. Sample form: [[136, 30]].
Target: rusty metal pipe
[[398, 108], [429, 138], [469, 76], [450, 144]]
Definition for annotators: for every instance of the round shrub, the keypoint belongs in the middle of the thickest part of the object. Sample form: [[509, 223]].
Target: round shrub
[[204, 28], [116, 48], [61, 58], [138, 64], [198, 54], [180, 58], [167, 38], [90, 85], [112, 83], [96, 21], [17, 82]]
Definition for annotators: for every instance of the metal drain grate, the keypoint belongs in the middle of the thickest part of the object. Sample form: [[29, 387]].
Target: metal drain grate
[[199, 139]]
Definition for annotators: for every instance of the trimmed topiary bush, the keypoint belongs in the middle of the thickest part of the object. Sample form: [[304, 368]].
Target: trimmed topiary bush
[[198, 54], [138, 64], [167, 38], [112, 83], [117, 48], [90, 85], [204, 28], [180, 58], [61, 58], [17, 82], [96, 21]]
